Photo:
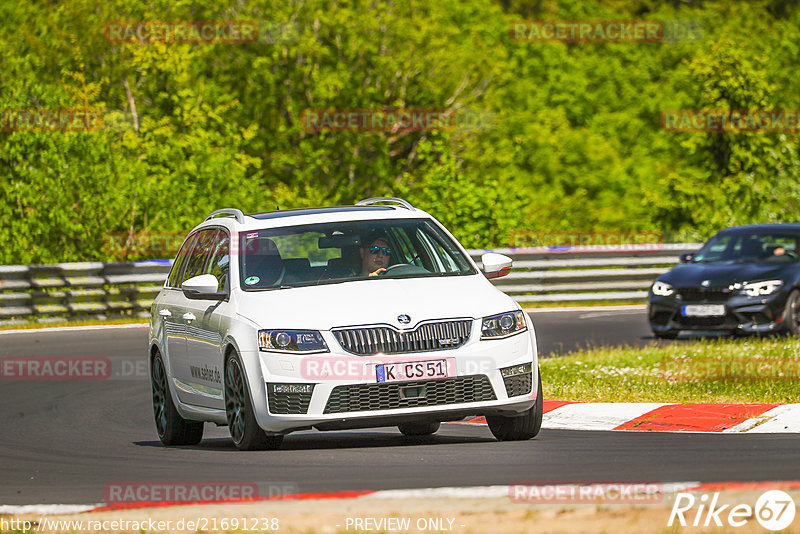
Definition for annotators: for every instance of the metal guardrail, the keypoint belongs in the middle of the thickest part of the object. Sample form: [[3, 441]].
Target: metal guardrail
[[588, 273], [77, 291]]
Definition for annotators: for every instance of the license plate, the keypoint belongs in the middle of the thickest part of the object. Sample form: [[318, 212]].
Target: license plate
[[703, 310], [401, 371]]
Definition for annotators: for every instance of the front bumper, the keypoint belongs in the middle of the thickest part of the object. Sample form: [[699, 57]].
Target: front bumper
[[478, 388], [742, 313]]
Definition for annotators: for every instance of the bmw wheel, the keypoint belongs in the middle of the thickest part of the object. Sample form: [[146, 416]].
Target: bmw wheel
[[520, 427], [171, 427], [245, 432], [791, 314]]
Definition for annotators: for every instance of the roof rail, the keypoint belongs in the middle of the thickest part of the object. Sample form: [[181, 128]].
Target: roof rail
[[228, 211], [368, 201]]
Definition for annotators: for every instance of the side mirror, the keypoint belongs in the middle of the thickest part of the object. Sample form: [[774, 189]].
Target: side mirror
[[203, 287], [495, 265], [686, 257]]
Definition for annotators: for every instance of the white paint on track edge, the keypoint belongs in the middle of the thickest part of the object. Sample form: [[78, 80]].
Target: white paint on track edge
[[596, 415], [47, 509], [467, 492]]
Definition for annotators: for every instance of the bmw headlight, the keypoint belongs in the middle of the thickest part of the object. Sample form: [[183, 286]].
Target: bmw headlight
[[758, 289], [662, 289], [295, 341], [503, 324]]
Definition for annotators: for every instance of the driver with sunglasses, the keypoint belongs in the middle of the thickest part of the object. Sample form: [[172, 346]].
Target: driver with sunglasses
[[375, 256]]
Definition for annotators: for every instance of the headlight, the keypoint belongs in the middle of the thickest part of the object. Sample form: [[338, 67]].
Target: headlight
[[298, 341], [502, 325], [662, 289], [757, 289]]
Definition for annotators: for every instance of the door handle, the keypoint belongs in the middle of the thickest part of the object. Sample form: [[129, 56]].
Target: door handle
[[189, 317], [165, 313]]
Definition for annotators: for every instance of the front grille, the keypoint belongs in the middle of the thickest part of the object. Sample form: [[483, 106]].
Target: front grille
[[369, 397], [702, 321], [288, 403], [387, 340], [518, 384], [699, 294]]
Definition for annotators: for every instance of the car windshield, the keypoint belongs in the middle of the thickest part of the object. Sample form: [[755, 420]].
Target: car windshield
[[343, 251], [742, 247]]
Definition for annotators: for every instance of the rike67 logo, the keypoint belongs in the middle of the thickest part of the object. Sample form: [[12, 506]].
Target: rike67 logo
[[774, 510]]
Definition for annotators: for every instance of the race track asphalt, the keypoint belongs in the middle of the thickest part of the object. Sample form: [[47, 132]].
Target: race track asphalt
[[65, 441]]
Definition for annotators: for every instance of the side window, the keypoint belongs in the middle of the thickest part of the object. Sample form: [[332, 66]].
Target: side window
[[220, 262], [180, 259], [405, 252], [721, 248], [200, 251], [443, 255]]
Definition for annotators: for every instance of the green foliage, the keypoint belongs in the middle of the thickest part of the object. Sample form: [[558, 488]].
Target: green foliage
[[548, 136]]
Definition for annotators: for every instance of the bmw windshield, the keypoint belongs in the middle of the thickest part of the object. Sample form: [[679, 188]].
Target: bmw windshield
[[743, 247], [354, 250]]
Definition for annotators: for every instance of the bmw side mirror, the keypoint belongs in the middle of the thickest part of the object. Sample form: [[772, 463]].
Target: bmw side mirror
[[203, 287], [495, 265], [686, 257]]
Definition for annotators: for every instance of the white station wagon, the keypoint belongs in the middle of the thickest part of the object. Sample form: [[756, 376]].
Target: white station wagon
[[334, 318]]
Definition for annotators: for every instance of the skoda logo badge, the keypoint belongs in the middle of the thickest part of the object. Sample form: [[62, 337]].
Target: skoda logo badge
[[705, 283], [403, 319]]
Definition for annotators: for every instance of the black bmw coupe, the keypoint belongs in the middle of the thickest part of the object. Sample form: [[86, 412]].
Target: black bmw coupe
[[744, 280]]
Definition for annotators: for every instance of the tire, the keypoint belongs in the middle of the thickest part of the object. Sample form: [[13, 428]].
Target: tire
[[419, 429], [669, 334], [171, 427], [520, 427], [791, 314], [244, 429]]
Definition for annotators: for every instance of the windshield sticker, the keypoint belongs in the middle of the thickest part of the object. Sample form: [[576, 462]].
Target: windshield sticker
[[250, 280], [251, 235]]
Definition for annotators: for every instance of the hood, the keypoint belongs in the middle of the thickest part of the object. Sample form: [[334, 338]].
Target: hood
[[361, 302], [721, 274]]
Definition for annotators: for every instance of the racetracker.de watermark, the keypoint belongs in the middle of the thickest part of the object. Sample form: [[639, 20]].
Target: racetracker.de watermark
[[365, 368], [599, 240], [50, 120], [182, 31], [156, 244], [122, 493], [395, 120], [731, 121], [200, 32], [586, 492], [605, 31], [735, 369], [26, 368]]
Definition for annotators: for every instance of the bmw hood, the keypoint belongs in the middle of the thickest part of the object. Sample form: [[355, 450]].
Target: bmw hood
[[721, 274], [376, 301]]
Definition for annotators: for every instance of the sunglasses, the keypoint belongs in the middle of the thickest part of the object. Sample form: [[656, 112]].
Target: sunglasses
[[386, 251]]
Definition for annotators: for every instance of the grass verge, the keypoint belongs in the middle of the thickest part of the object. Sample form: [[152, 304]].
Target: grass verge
[[88, 322], [582, 303], [750, 370]]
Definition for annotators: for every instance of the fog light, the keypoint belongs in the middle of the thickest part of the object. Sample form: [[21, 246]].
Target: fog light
[[515, 370]]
